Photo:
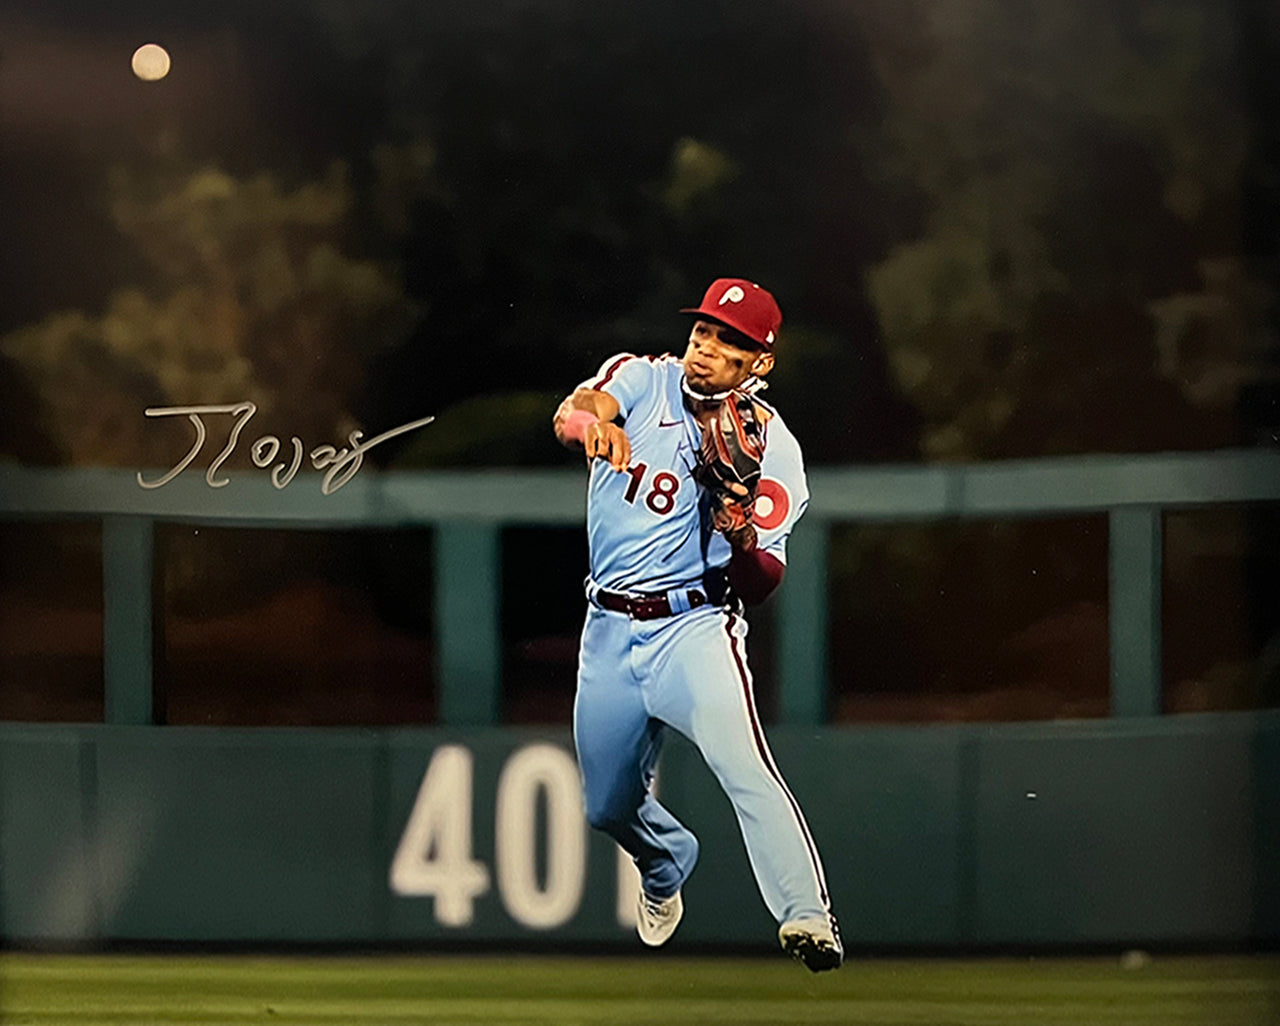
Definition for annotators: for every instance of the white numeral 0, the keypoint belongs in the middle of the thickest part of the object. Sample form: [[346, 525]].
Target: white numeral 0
[[550, 770]]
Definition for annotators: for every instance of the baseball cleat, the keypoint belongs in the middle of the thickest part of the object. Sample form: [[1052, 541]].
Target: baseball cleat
[[813, 941], [657, 918]]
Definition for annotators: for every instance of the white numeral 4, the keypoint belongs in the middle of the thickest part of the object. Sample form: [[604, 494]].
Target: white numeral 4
[[434, 856]]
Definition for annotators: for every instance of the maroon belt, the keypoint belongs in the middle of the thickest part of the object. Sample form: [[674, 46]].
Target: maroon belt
[[642, 606]]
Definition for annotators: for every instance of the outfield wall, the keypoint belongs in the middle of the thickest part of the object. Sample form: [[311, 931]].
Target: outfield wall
[[1139, 831]]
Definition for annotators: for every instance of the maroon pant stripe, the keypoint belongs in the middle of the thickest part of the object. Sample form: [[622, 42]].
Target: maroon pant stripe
[[762, 749]]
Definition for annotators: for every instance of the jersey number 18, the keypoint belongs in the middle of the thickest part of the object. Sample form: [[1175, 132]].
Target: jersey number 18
[[662, 494]]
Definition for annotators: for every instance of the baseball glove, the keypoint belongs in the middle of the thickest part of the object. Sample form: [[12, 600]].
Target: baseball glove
[[728, 465]]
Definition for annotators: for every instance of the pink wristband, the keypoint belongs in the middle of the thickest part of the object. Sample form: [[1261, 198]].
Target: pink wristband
[[576, 424]]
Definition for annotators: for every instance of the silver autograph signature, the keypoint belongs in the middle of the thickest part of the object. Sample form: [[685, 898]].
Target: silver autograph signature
[[341, 464]]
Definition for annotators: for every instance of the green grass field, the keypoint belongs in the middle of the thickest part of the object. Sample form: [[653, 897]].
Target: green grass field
[[655, 991]]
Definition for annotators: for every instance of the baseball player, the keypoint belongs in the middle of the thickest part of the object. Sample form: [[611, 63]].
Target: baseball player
[[694, 486]]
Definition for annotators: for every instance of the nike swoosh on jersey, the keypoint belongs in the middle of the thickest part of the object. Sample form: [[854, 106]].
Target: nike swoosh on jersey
[[670, 423]]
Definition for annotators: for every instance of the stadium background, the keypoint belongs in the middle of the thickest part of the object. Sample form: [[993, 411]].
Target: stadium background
[[1000, 234]]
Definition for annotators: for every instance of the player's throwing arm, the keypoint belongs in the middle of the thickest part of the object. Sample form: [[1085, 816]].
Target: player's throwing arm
[[586, 420]]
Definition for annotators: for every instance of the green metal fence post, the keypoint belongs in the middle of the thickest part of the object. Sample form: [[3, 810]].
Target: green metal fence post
[[127, 566], [1135, 563], [468, 633], [802, 626]]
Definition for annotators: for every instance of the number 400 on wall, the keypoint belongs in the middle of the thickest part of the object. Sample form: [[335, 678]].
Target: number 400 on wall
[[434, 857]]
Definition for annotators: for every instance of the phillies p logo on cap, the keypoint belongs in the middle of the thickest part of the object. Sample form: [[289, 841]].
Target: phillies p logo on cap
[[744, 306]]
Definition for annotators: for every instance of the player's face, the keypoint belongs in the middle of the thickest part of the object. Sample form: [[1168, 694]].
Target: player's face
[[713, 364]]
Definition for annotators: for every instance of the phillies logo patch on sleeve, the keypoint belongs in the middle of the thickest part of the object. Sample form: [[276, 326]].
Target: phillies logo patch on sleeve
[[773, 503]]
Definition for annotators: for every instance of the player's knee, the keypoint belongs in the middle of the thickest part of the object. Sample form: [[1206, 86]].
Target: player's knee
[[608, 813], [608, 821]]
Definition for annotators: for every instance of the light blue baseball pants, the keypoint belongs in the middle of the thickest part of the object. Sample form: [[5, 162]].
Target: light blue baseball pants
[[688, 672]]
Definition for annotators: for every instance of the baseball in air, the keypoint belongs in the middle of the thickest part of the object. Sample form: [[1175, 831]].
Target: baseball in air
[[150, 62]]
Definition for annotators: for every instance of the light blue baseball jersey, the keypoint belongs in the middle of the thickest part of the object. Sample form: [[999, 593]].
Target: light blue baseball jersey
[[646, 528]]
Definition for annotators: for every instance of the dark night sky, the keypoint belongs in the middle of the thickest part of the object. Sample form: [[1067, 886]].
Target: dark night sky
[[247, 90]]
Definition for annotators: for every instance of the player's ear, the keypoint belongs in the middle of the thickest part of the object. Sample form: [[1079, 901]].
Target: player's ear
[[763, 364]]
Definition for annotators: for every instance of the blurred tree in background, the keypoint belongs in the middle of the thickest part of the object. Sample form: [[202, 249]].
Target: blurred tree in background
[[251, 298], [1078, 286]]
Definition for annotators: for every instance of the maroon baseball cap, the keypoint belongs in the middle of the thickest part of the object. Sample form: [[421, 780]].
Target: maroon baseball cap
[[742, 305]]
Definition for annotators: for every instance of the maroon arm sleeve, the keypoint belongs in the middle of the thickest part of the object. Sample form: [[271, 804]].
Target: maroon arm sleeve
[[753, 575]]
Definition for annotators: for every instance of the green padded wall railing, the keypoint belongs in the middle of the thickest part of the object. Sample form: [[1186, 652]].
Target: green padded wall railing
[[469, 508]]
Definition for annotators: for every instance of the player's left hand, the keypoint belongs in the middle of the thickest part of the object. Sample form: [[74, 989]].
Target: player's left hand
[[728, 467], [732, 514]]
